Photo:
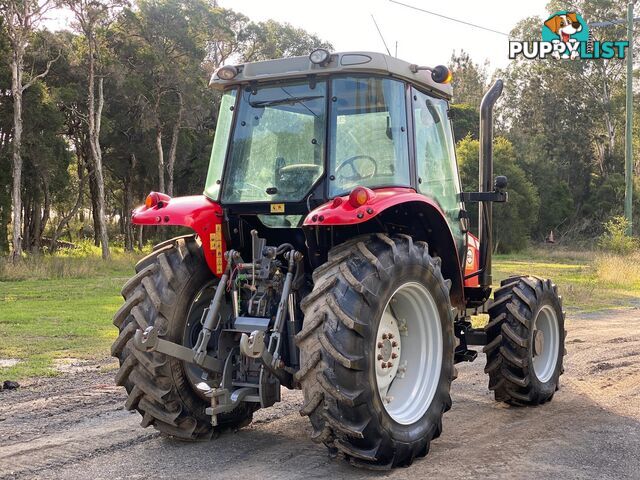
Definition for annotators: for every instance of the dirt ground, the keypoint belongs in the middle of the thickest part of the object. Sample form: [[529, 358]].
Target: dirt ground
[[74, 426]]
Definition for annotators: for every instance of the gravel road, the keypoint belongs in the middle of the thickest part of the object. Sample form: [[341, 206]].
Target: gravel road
[[74, 427]]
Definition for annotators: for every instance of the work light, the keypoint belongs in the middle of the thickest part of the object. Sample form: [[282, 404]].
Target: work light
[[228, 72], [319, 56]]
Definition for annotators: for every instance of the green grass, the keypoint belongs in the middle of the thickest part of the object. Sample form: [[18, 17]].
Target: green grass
[[63, 317], [587, 281], [60, 307]]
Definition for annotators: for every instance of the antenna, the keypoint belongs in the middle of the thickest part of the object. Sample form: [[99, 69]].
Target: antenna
[[380, 33]]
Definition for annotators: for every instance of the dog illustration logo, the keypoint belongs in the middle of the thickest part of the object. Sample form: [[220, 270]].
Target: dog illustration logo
[[564, 25], [568, 28]]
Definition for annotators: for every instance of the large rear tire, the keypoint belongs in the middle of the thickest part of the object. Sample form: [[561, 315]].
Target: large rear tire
[[379, 303], [525, 341], [167, 292]]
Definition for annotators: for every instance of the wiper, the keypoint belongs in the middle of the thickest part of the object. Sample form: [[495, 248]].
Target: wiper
[[284, 101]]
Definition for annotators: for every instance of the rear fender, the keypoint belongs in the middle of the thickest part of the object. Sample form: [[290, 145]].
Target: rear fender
[[196, 212], [398, 210]]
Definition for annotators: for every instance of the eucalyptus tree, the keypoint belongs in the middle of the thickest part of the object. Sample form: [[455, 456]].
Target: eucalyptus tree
[[20, 20], [168, 38], [469, 81], [92, 18]]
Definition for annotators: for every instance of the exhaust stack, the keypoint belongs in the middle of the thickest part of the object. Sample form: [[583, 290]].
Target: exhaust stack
[[485, 183]]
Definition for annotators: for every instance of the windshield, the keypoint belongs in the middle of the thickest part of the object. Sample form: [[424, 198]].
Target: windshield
[[277, 145], [369, 145]]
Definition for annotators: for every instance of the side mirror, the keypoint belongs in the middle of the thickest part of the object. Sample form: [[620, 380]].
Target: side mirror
[[500, 183]]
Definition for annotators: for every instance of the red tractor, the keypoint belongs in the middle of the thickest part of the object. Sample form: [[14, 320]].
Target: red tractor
[[331, 254]]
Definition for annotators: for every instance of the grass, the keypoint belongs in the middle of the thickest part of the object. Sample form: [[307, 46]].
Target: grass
[[60, 307], [588, 281], [82, 262]]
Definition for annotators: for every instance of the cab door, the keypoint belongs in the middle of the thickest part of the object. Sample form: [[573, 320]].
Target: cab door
[[436, 165]]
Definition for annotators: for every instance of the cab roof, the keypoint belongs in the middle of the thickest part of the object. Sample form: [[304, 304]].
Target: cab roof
[[341, 62]]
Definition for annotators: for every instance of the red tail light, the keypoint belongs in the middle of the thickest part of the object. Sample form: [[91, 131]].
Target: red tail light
[[359, 196], [156, 198]]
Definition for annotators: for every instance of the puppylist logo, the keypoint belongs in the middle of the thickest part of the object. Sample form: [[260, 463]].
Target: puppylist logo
[[566, 35]]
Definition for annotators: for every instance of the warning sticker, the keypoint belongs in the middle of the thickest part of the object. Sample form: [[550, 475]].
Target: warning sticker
[[216, 245], [277, 208]]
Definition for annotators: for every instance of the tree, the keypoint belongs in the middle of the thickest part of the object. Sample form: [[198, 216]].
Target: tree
[[466, 121], [91, 138], [6, 127], [514, 221], [565, 120], [469, 79], [271, 39], [21, 17], [168, 47], [92, 16]]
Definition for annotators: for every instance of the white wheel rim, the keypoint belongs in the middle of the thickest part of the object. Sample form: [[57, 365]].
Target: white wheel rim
[[546, 342], [408, 353]]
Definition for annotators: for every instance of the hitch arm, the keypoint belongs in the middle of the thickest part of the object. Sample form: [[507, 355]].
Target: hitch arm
[[200, 348], [148, 341]]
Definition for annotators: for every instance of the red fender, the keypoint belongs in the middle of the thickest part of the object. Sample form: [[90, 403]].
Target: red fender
[[341, 211], [197, 212]]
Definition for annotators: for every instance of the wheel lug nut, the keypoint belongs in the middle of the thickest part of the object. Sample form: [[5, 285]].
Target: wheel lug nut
[[380, 345], [394, 355], [394, 344], [380, 357], [384, 336], [390, 336], [389, 364], [383, 365]]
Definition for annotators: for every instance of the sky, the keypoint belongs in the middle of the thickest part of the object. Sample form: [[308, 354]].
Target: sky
[[422, 38]]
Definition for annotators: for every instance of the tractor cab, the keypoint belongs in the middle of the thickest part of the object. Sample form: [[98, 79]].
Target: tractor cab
[[316, 139], [300, 133]]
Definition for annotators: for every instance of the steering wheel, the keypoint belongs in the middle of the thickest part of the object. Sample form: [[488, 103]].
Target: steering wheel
[[356, 173], [292, 179]]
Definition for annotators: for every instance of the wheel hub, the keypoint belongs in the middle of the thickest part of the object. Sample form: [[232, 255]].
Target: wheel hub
[[538, 342], [546, 343], [387, 352], [408, 353]]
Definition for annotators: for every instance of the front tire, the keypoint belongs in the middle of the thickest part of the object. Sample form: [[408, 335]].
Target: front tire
[[167, 292], [349, 331], [525, 341]]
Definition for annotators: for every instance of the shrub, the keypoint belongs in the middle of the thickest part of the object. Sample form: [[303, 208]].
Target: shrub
[[619, 271], [514, 220], [615, 238]]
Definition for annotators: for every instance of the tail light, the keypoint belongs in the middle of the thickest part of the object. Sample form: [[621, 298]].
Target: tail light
[[359, 196], [156, 199]]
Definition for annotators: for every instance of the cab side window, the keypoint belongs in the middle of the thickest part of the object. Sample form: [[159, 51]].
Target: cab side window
[[436, 165], [435, 152]]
